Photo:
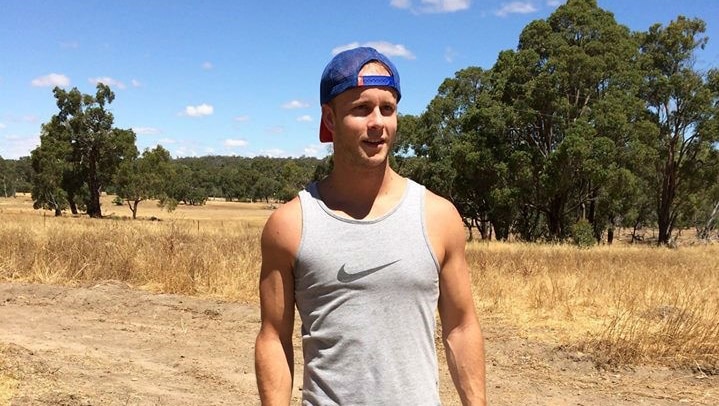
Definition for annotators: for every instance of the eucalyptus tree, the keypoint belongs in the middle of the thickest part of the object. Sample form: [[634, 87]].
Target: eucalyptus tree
[[82, 135], [476, 163], [563, 68], [681, 101], [145, 177], [51, 164]]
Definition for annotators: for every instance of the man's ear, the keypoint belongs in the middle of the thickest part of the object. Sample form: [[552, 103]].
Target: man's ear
[[328, 118]]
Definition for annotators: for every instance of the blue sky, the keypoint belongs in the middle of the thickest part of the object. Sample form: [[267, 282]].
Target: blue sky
[[242, 77]]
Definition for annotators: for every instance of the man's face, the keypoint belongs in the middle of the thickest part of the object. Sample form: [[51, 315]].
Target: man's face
[[364, 121]]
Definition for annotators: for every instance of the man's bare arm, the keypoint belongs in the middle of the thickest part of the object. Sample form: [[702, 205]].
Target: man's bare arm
[[274, 358], [461, 332]]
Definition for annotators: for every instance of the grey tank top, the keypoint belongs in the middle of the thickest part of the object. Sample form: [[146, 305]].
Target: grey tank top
[[366, 292]]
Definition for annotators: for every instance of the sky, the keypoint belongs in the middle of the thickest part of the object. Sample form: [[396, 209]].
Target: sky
[[241, 77]]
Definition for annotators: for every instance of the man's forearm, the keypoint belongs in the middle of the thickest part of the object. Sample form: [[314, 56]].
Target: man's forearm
[[274, 371], [465, 358]]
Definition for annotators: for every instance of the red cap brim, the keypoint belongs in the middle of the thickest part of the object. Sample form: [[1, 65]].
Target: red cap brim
[[325, 133]]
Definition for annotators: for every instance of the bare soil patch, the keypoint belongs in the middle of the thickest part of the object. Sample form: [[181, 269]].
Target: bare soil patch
[[109, 344]]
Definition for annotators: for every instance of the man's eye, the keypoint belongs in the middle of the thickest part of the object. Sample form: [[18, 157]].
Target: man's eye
[[361, 110], [387, 110]]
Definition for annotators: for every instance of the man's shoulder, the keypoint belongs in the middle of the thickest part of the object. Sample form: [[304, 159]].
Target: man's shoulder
[[287, 212], [437, 205], [284, 226]]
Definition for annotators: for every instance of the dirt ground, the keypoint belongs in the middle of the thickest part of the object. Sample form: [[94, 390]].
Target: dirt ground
[[109, 344]]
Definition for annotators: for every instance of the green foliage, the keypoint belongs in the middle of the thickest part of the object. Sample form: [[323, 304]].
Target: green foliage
[[79, 152], [583, 234], [682, 103], [145, 177], [15, 176], [583, 120]]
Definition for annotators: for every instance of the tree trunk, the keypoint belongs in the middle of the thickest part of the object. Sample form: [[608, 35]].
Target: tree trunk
[[554, 218], [485, 228], [597, 227], [666, 200], [709, 226], [93, 183], [71, 203], [470, 225], [134, 209]]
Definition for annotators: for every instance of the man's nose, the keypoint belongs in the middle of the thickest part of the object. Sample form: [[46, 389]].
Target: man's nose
[[376, 119]]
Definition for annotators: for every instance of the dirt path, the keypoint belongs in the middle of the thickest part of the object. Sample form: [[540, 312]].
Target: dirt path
[[112, 345]]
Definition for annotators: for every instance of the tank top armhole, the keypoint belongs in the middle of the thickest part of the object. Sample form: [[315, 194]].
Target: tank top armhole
[[305, 200], [422, 190]]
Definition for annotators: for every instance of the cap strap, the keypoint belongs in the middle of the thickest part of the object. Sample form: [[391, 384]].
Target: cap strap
[[370, 80]]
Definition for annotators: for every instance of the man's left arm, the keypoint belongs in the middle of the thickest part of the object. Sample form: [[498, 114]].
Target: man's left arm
[[461, 332]]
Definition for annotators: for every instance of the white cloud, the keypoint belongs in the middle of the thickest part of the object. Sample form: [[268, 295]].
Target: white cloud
[[516, 7], [185, 151], [444, 6], [231, 143], [207, 65], [295, 104], [167, 141], [199, 111], [107, 81], [384, 47], [555, 3], [51, 80], [2, 126], [242, 119], [274, 153], [433, 6], [146, 130], [305, 119], [317, 150], [135, 83]]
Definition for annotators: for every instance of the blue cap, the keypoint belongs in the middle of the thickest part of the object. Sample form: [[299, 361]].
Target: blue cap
[[342, 73]]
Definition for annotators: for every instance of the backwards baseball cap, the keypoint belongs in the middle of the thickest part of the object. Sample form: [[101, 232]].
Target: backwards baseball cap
[[342, 73]]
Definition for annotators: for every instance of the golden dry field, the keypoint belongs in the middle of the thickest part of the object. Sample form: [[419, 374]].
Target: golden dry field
[[206, 250], [618, 306]]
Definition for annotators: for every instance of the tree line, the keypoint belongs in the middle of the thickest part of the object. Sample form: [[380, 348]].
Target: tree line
[[74, 159], [584, 128]]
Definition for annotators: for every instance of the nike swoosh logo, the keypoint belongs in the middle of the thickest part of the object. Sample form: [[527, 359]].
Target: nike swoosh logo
[[345, 277]]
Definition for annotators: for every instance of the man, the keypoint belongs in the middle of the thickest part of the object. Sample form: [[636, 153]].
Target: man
[[367, 256]]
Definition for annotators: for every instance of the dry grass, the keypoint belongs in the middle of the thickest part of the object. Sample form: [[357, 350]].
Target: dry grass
[[8, 380], [622, 304], [212, 253]]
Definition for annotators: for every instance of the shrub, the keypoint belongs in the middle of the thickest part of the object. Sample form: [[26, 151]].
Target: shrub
[[583, 234]]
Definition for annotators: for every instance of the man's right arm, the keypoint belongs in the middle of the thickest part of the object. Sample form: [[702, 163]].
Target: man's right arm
[[274, 358]]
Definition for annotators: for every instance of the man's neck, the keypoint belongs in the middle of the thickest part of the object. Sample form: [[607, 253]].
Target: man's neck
[[362, 194]]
